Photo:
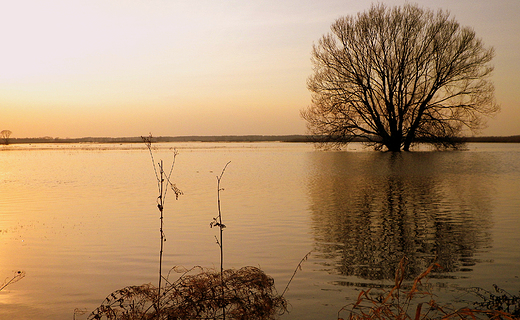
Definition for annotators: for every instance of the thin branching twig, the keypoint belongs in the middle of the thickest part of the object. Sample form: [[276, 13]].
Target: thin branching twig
[[162, 178], [18, 275], [298, 267]]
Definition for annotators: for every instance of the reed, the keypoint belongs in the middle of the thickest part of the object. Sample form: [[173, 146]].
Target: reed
[[411, 302]]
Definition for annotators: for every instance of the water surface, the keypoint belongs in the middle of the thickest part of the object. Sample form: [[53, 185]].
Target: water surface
[[81, 220]]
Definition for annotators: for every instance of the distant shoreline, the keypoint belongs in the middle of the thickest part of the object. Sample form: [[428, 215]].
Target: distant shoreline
[[226, 138]]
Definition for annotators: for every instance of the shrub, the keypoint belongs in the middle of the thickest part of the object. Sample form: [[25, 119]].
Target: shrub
[[247, 293]]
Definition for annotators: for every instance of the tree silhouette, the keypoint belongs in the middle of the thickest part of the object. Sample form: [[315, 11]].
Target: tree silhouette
[[398, 76], [5, 135]]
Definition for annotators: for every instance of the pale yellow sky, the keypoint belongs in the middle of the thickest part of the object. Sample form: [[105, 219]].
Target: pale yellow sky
[[75, 68]]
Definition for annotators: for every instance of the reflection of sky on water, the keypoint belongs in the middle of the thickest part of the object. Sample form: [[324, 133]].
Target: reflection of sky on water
[[88, 219], [370, 209]]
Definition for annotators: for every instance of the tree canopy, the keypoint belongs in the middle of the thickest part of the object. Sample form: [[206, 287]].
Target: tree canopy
[[5, 135], [398, 76]]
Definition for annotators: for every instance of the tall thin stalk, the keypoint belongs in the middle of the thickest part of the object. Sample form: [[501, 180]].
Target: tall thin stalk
[[217, 222], [162, 178], [160, 205]]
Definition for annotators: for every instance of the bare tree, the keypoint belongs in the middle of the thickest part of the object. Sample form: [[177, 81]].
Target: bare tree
[[5, 135], [399, 76]]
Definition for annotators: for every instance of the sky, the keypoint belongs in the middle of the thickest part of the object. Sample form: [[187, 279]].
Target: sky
[[99, 68]]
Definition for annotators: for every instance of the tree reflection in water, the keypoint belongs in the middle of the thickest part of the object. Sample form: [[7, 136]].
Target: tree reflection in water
[[371, 208]]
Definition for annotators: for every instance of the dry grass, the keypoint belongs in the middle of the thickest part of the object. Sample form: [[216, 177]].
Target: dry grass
[[411, 302], [247, 293]]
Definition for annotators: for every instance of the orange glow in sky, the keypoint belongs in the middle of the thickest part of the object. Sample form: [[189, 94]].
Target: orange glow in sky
[[75, 68]]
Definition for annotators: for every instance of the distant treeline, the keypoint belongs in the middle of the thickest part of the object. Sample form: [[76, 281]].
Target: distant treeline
[[237, 138], [246, 138], [492, 139]]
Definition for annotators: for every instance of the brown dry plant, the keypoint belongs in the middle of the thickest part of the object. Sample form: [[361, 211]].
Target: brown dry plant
[[411, 302], [248, 293]]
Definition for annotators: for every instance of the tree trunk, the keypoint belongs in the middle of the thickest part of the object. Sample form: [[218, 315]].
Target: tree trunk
[[393, 144], [406, 146], [409, 139]]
